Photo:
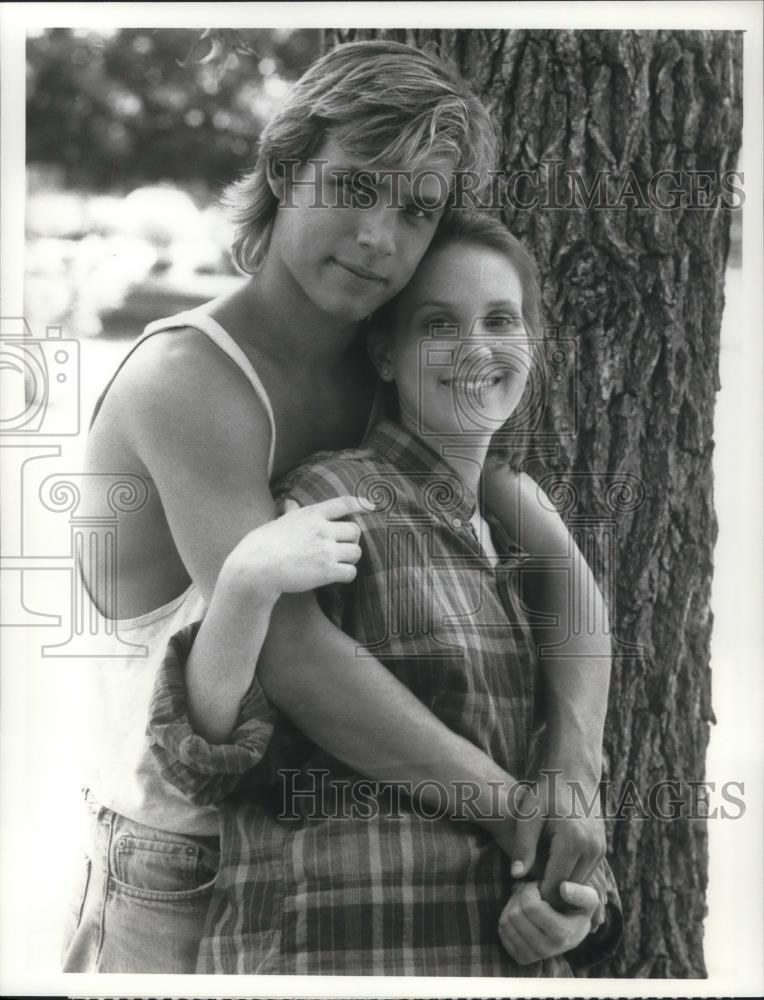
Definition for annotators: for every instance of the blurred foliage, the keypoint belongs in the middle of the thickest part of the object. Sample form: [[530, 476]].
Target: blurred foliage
[[112, 110], [131, 133]]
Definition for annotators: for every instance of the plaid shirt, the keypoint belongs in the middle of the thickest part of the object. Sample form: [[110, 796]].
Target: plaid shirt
[[323, 871]]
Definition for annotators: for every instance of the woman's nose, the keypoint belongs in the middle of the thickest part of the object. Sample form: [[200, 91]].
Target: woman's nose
[[376, 230], [473, 351]]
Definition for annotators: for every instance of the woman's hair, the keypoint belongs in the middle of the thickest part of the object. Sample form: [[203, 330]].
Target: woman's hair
[[384, 101]]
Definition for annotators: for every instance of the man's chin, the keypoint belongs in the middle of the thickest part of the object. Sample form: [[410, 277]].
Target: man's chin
[[350, 310]]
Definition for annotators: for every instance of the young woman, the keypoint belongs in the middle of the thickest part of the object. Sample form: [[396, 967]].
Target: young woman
[[323, 871], [215, 405]]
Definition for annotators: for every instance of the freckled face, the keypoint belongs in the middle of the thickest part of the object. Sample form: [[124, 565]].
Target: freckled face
[[350, 257], [460, 354]]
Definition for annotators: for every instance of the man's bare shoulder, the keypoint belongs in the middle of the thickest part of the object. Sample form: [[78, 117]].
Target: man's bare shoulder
[[184, 368], [504, 482], [178, 389], [178, 359]]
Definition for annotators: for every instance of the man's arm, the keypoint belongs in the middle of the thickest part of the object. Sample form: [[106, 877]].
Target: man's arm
[[357, 710], [576, 677], [208, 772], [203, 436]]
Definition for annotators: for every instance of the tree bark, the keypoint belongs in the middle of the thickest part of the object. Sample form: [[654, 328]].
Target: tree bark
[[639, 290]]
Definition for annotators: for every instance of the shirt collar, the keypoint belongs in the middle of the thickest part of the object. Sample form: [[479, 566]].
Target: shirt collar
[[411, 454]]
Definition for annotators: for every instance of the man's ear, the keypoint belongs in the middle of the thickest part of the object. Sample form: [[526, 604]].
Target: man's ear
[[275, 180], [379, 346]]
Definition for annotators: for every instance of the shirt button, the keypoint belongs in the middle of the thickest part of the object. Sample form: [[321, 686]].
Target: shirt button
[[457, 522]]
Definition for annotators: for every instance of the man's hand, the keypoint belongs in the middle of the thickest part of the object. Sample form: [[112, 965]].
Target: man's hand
[[530, 929], [566, 819]]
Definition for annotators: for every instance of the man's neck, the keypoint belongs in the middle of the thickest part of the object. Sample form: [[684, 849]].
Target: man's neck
[[293, 325]]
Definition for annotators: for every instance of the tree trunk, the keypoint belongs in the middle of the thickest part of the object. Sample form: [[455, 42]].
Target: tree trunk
[[639, 290]]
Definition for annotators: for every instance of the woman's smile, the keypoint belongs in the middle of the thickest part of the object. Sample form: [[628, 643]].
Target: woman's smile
[[475, 383]]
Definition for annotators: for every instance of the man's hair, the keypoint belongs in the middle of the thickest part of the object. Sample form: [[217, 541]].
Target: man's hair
[[384, 101]]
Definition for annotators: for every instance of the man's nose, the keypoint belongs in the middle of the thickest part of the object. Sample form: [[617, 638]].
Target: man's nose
[[376, 229]]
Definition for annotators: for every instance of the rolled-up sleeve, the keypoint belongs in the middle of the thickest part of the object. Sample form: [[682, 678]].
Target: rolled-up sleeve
[[205, 772]]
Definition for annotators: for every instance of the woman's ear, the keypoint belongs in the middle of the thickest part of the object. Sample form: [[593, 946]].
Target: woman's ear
[[379, 346]]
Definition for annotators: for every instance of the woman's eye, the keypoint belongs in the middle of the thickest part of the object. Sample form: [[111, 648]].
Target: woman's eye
[[502, 322], [440, 325]]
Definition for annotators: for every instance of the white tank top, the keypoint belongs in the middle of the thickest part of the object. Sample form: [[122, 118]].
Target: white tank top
[[121, 771]]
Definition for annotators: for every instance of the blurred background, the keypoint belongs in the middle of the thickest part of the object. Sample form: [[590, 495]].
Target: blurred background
[[131, 135]]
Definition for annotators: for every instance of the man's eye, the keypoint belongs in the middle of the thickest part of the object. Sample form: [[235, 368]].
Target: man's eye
[[416, 211], [341, 179]]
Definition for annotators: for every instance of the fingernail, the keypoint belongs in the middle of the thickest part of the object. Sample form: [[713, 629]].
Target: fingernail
[[517, 868]]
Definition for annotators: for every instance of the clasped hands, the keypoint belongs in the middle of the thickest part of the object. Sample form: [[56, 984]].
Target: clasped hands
[[553, 910]]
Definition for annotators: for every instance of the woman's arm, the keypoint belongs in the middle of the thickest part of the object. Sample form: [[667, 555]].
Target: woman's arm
[[197, 427], [576, 674]]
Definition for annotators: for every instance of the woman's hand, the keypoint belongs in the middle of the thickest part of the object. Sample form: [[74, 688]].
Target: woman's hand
[[305, 548], [530, 929]]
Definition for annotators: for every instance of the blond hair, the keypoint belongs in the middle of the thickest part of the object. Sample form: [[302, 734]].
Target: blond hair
[[383, 100]]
